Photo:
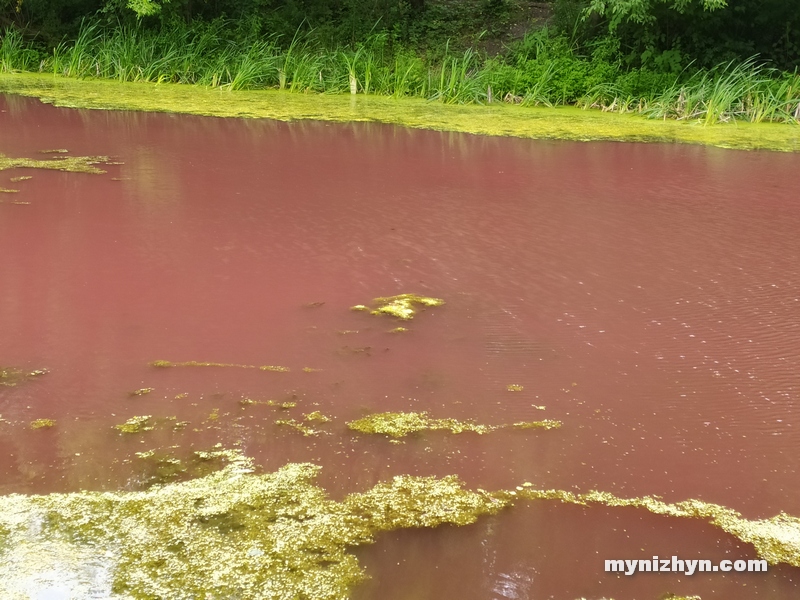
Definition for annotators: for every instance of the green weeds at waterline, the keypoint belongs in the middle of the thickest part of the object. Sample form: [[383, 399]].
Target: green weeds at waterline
[[542, 69]]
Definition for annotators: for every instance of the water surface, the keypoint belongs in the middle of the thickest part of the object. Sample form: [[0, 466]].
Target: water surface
[[647, 296]]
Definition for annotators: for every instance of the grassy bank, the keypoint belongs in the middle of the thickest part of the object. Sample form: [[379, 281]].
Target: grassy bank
[[541, 69], [501, 119]]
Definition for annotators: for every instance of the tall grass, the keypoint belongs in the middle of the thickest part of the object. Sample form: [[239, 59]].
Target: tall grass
[[539, 70]]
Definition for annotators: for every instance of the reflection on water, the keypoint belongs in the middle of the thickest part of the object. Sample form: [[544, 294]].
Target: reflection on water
[[645, 296]]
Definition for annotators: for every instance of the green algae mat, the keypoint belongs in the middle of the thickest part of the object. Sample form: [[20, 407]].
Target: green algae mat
[[277, 536], [498, 119]]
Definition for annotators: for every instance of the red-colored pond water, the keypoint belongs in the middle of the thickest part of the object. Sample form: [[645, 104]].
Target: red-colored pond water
[[648, 296]]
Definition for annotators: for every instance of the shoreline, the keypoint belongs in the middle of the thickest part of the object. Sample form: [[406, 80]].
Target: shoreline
[[499, 119]]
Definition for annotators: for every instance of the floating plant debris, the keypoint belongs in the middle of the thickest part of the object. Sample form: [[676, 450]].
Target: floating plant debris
[[21, 178], [165, 364], [277, 369], [298, 426], [142, 392], [401, 424], [398, 330], [72, 164], [403, 306], [514, 387], [285, 405], [56, 151], [7, 191], [11, 376], [316, 416], [311, 370], [135, 424], [313, 305], [42, 423]]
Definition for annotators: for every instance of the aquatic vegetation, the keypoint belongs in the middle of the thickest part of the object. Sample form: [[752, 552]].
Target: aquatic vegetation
[[287, 404], [398, 330], [514, 388], [316, 416], [236, 534], [141, 392], [776, 540], [165, 364], [401, 424], [311, 370], [42, 423], [277, 369], [12, 376], [21, 178], [71, 164], [298, 426], [403, 306], [7, 191], [230, 534], [135, 424]]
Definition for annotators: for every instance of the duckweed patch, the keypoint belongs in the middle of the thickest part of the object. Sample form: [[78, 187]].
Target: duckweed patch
[[403, 306], [71, 164], [12, 376], [497, 119], [136, 424], [401, 424], [42, 423]]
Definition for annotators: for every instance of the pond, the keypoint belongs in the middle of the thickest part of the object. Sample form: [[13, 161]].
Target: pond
[[644, 296]]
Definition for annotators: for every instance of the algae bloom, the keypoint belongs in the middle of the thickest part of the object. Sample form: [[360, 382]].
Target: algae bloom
[[401, 424], [231, 534], [403, 307]]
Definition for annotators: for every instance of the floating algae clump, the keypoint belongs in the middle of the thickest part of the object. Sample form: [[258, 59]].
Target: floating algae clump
[[142, 391], [231, 534], [298, 426], [165, 364], [72, 164], [11, 376], [776, 540], [135, 424], [401, 424], [42, 423], [403, 306]]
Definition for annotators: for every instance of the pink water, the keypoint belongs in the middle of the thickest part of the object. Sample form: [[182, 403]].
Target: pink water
[[647, 295]]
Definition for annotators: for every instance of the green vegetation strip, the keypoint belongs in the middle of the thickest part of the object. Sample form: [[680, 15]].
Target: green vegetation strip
[[567, 123], [401, 424], [235, 534], [72, 164]]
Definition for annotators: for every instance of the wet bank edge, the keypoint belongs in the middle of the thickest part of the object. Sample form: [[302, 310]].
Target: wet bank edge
[[567, 123]]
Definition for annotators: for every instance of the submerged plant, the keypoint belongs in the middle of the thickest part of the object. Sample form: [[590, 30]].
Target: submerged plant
[[401, 424]]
